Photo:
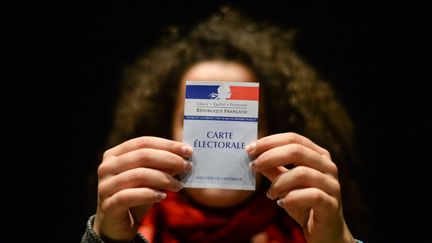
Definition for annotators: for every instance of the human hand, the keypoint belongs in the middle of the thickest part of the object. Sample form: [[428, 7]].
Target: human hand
[[310, 191], [133, 176]]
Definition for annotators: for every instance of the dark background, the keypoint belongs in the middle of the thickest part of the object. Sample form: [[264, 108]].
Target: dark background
[[60, 67]]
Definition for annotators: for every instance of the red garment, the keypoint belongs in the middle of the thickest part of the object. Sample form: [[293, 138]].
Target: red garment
[[177, 220]]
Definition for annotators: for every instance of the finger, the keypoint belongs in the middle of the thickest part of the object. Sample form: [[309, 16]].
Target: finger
[[179, 148], [118, 204], [135, 178], [147, 158], [302, 177], [293, 154], [298, 203], [271, 173], [280, 139]]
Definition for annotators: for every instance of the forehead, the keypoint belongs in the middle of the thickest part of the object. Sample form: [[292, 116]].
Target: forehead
[[219, 71]]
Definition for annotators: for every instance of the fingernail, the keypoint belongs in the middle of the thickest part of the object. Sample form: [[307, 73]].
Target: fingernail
[[186, 150], [179, 185], [280, 203], [252, 165], [160, 195], [187, 165], [268, 194], [250, 148]]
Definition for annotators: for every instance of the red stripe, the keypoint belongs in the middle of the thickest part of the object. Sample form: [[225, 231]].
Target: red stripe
[[244, 93]]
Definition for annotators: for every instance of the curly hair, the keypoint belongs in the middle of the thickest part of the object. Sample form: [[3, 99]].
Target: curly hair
[[297, 99]]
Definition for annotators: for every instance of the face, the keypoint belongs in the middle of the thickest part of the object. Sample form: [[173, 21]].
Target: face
[[213, 71]]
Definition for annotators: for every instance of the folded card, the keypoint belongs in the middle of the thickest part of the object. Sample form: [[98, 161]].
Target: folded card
[[220, 119]]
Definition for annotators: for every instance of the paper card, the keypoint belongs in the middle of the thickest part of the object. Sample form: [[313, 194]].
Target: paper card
[[220, 119]]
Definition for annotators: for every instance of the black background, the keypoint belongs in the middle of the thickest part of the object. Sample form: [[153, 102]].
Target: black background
[[60, 67]]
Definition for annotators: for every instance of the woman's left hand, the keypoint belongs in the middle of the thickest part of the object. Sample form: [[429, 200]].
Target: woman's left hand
[[309, 191]]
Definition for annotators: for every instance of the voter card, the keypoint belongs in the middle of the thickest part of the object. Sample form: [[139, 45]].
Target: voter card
[[220, 119]]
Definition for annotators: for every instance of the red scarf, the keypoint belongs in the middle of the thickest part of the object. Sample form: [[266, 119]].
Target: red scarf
[[177, 220]]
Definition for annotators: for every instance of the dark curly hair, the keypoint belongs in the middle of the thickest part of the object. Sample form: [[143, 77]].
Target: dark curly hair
[[297, 99]]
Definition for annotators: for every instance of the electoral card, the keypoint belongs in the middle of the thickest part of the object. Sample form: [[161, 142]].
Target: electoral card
[[220, 119]]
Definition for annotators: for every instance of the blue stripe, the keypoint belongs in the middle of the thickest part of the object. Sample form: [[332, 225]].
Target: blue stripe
[[200, 91], [222, 118]]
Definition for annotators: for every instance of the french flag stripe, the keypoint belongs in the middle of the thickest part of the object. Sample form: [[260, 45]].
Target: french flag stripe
[[244, 93], [200, 91]]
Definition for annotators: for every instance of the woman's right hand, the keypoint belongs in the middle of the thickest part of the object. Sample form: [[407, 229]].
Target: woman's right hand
[[133, 176]]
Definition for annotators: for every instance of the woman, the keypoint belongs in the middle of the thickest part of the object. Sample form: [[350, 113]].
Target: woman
[[301, 156]]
